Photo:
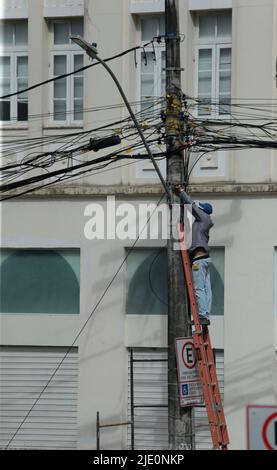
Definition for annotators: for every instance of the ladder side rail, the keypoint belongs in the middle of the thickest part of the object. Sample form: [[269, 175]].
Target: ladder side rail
[[206, 364], [216, 391], [209, 396]]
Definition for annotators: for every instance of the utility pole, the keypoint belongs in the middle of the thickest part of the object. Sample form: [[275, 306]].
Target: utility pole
[[179, 419]]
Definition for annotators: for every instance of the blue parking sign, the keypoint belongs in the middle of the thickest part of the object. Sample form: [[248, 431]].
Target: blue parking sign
[[185, 389]]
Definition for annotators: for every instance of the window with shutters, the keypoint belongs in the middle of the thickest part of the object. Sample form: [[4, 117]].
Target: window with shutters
[[214, 63], [66, 57], [148, 380], [152, 73], [48, 378], [13, 70], [152, 84]]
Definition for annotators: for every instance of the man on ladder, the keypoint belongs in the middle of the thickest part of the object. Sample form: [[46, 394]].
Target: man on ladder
[[199, 253], [200, 298]]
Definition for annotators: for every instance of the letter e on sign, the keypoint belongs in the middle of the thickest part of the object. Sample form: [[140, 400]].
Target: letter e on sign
[[189, 355]]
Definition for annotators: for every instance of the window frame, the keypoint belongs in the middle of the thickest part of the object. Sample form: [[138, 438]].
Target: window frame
[[13, 52], [215, 45], [147, 170], [153, 251], [69, 50], [219, 249], [70, 249], [159, 50]]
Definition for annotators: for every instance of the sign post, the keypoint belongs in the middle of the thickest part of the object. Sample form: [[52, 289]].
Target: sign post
[[190, 388], [261, 427]]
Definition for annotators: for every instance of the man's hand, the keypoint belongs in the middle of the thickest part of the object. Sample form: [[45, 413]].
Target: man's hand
[[178, 188]]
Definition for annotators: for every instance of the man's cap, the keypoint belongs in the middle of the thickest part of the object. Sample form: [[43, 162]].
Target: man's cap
[[206, 207]]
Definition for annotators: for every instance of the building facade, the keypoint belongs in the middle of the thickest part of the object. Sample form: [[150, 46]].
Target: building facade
[[65, 348]]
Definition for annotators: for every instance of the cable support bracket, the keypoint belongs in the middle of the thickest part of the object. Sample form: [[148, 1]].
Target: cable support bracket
[[179, 69]]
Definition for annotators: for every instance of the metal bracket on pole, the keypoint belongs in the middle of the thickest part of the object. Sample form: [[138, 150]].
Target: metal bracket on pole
[[174, 68]]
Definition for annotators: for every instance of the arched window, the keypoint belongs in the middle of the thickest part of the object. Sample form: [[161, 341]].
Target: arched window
[[40, 281]]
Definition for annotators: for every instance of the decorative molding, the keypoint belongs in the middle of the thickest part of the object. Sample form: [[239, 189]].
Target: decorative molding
[[146, 170], [65, 8], [219, 189], [211, 165], [147, 6], [13, 9], [210, 4], [209, 161]]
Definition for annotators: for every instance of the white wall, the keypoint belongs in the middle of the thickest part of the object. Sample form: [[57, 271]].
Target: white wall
[[248, 232], [244, 225]]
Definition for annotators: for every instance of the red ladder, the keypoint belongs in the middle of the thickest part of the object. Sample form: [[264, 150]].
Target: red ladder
[[205, 361]]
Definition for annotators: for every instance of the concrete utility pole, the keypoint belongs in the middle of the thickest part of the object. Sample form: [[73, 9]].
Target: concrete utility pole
[[179, 419]]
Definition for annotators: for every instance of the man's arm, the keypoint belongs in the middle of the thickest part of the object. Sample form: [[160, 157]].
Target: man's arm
[[186, 199]]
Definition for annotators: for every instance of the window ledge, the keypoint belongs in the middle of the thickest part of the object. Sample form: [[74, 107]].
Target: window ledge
[[63, 126], [14, 127], [210, 4], [63, 8], [146, 6]]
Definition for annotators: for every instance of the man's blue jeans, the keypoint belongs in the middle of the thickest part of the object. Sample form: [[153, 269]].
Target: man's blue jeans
[[202, 286]]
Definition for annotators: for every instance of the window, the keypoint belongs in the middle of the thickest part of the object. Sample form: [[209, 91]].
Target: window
[[25, 372], [152, 82], [147, 278], [152, 77], [217, 279], [66, 57], [149, 403], [214, 63], [147, 282], [39, 281], [13, 70]]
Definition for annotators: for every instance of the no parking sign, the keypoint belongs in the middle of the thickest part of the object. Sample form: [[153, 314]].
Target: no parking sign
[[190, 387], [261, 427]]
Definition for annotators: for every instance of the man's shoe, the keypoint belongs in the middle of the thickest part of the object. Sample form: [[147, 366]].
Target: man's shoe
[[204, 321]]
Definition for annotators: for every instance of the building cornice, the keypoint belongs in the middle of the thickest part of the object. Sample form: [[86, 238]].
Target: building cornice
[[87, 191]]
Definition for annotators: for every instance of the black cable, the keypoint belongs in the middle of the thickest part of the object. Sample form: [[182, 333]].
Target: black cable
[[136, 123], [195, 163], [38, 178], [129, 251], [52, 183], [10, 146], [70, 73]]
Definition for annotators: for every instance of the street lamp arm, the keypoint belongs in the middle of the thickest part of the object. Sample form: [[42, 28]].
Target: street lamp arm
[[92, 52]]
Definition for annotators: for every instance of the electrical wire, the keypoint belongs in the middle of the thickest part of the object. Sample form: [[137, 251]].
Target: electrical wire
[[59, 77], [129, 251], [10, 147], [46, 159], [64, 154]]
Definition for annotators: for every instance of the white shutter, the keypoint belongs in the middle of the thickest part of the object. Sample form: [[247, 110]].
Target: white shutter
[[24, 372], [150, 387]]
